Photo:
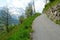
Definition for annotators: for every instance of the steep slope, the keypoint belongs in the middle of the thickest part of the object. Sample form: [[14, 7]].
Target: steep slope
[[52, 10]]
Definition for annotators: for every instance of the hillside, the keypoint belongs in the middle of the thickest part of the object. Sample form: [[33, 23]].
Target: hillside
[[21, 31], [52, 9]]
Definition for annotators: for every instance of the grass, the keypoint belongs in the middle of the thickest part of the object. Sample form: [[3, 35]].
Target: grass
[[22, 32], [5, 35], [51, 4], [57, 22]]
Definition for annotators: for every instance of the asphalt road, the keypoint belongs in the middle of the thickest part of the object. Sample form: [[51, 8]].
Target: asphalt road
[[45, 29]]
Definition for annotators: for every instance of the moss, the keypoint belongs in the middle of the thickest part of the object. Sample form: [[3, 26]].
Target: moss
[[57, 21]]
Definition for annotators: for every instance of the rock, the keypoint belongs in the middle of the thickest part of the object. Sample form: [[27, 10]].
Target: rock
[[54, 12]]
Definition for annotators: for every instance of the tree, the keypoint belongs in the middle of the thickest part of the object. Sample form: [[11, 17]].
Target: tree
[[29, 11], [5, 17], [51, 0], [21, 19], [33, 5], [46, 1]]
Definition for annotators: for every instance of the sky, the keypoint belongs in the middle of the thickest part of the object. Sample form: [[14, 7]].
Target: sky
[[39, 4]]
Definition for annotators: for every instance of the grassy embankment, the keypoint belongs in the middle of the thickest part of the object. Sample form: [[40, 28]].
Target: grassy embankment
[[22, 31], [50, 5]]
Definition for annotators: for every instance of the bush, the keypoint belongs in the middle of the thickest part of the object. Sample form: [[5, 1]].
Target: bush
[[57, 21], [21, 19]]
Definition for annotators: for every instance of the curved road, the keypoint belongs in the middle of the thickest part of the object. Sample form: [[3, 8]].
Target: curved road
[[45, 29]]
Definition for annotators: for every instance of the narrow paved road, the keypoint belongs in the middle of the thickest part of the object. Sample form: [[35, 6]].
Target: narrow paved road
[[45, 29]]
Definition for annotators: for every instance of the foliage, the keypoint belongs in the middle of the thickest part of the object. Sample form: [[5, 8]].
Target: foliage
[[23, 33], [29, 11], [51, 0], [51, 4], [57, 21], [5, 17], [21, 19]]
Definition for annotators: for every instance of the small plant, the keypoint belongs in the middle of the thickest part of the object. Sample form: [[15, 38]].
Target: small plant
[[57, 21]]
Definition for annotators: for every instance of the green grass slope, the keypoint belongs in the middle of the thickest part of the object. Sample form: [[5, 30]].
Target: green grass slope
[[22, 32]]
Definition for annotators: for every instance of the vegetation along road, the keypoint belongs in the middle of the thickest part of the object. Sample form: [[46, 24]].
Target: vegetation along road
[[45, 29]]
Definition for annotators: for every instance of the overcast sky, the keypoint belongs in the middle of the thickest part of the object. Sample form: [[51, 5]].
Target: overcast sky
[[39, 5]]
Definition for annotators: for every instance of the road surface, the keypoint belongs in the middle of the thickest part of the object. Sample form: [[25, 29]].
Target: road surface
[[45, 29]]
